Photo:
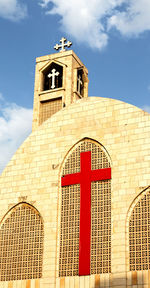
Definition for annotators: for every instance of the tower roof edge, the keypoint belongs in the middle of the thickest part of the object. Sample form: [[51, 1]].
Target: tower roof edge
[[59, 55]]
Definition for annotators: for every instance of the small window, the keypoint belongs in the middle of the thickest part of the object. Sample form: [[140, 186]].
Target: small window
[[80, 83], [53, 77], [50, 107]]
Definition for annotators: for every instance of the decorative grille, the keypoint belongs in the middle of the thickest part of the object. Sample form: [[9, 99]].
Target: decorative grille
[[69, 241], [21, 244], [100, 215], [139, 235], [48, 108], [101, 227]]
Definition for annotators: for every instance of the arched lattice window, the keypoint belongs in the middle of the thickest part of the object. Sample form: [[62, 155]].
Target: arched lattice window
[[97, 161], [139, 235], [21, 244]]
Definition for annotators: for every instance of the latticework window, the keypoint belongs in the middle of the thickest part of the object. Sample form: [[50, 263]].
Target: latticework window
[[21, 244], [100, 215], [48, 108], [139, 235]]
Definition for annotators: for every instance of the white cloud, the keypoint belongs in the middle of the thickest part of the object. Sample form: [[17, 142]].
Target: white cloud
[[15, 126], [91, 21], [134, 20], [12, 9]]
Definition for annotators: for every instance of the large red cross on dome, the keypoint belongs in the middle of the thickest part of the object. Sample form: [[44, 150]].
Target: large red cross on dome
[[84, 178]]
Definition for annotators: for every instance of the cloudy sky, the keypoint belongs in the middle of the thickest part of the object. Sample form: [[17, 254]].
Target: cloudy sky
[[111, 37]]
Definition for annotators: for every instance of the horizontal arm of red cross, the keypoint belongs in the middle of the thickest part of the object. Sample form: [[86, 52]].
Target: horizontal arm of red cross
[[95, 175]]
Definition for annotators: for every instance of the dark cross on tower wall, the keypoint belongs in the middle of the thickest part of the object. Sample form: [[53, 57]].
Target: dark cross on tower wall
[[53, 74], [63, 44], [84, 178]]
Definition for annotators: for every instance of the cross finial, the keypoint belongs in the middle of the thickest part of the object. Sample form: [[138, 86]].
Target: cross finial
[[63, 44]]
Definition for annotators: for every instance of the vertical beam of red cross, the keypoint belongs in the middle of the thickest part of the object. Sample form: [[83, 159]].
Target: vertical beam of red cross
[[84, 178]]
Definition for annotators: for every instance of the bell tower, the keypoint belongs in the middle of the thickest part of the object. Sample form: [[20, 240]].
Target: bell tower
[[60, 79]]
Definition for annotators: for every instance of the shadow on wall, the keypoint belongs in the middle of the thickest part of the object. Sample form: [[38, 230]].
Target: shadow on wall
[[131, 279], [134, 279]]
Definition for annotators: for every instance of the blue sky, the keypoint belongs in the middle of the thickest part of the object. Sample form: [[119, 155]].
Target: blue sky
[[112, 38]]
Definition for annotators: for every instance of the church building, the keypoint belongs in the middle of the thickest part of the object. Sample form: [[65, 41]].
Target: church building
[[75, 197]]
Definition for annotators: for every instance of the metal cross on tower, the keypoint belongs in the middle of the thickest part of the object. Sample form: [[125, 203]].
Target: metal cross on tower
[[63, 44], [53, 74], [80, 83]]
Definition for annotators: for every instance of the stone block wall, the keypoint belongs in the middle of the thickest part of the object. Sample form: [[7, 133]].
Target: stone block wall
[[33, 176]]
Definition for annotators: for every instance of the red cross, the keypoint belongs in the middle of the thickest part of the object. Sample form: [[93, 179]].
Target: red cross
[[84, 178]]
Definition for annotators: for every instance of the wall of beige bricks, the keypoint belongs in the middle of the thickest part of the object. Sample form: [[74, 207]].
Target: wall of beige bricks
[[33, 175]]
